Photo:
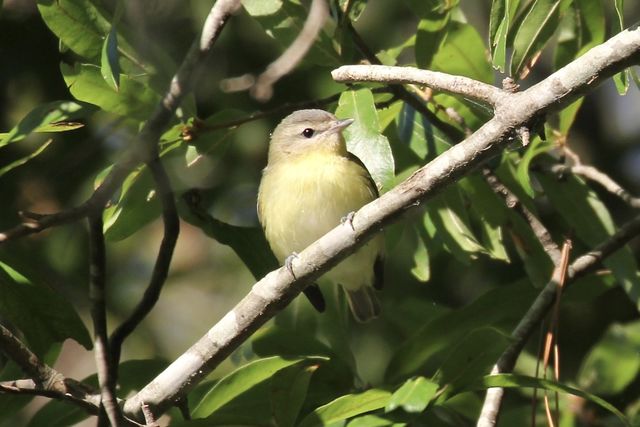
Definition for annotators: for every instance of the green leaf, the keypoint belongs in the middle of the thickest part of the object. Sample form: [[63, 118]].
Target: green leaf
[[421, 269], [56, 116], [262, 7], [288, 392], [137, 206], [588, 216], [428, 346], [613, 363], [43, 315], [500, 20], [235, 394], [346, 407], [463, 53], [621, 79], [135, 99], [413, 396], [449, 216], [537, 27], [535, 148], [21, 161], [375, 421], [430, 34], [472, 357], [77, 23], [363, 136], [581, 29], [109, 67], [520, 381]]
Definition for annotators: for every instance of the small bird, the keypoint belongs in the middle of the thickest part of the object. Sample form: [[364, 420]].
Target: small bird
[[311, 184]]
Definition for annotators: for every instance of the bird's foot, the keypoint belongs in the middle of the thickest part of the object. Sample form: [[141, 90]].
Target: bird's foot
[[348, 220], [288, 263]]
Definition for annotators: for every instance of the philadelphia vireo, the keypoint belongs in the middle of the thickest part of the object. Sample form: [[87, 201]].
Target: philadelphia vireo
[[310, 184]]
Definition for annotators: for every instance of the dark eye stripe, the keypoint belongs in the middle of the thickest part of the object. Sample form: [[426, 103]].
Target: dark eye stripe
[[308, 133]]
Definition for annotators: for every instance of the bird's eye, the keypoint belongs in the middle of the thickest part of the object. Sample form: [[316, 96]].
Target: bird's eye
[[308, 133]]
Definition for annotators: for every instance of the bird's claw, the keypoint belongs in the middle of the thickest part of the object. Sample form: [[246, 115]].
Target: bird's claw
[[288, 263], [348, 220]]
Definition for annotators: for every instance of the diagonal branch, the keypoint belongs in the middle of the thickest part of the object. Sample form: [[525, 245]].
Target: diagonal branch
[[541, 306], [278, 288]]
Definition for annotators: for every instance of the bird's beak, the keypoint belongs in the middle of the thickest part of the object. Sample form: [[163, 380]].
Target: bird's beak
[[338, 125]]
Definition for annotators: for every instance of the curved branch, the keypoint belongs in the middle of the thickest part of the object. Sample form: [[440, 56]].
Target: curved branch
[[457, 85], [278, 288]]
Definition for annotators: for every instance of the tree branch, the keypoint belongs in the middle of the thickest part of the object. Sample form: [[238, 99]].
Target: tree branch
[[278, 288], [107, 372], [180, 85], [291, 57], [539, 309], [161, 267], [456, 85]]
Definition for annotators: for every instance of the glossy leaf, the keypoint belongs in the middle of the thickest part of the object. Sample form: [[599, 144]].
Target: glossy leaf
[[43, 315], [346, 407], [613, 363], [463, 53], [413, 396], [236, 390], [449, 216], [135, 99], [363, 136], [288, 392], [500, 20], [56, 116], [588, 216], [109, 67], [77, 23], [537, 27]]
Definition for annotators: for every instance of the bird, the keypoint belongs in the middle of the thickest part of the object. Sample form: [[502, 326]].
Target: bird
[[310, 185]]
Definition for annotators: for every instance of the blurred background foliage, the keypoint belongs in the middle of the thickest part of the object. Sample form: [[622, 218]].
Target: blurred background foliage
[[442, 287]]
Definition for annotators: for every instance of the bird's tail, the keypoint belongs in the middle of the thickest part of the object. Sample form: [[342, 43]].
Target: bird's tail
[[363, 303]]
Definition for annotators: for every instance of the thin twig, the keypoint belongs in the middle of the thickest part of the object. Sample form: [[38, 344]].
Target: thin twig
[[107, 373], [291, 57], [512, 202], [161, 267], [540, 307], [180, 85]]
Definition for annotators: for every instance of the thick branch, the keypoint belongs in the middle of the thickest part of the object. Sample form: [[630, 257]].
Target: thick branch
[[278, 288], [441, 82]]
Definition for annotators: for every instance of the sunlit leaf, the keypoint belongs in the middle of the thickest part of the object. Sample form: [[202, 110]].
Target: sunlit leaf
[[235, 394], [363, 136], [261, 7], [413, 396], [56, 116], [346, 407], [109, 67], [135, 99], [500, 20], [463, 53]]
